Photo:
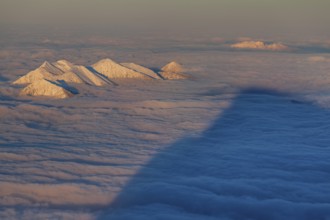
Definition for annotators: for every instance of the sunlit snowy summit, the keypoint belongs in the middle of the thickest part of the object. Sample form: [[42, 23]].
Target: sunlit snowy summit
[[173, 70], [52, 79]]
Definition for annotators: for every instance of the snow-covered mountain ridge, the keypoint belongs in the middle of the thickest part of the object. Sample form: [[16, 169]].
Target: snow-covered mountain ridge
[[51, 79]]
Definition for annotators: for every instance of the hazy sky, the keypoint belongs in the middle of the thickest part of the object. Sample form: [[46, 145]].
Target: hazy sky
[[234, 18]]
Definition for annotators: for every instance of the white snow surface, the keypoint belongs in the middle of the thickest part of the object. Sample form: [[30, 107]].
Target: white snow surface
[[141, 69], [247, 137]]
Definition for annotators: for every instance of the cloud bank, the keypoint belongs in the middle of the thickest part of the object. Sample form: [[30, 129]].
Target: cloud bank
[[251, 163], [265, 157]]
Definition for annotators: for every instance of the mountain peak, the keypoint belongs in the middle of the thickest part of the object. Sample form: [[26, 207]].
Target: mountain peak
[[260, 45], [112, 69], [106, 61], [173, 67], [64, 62], [63, 65], [51, 68], [45, 64], [46, 88], [173, 70]]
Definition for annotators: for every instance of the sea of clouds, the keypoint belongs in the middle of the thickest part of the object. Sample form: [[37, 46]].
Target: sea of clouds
[[246, 137]]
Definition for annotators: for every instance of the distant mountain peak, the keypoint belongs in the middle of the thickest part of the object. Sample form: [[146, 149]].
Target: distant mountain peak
[[173, 67], [173, 70], [259, 45]]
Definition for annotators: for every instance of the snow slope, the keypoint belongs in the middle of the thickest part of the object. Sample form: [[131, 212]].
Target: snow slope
[[46, 88], [113, 70], [45, 71], [141, 69]]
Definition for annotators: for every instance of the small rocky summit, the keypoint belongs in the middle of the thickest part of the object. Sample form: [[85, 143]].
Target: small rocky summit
[[53, 79], [173, 70]]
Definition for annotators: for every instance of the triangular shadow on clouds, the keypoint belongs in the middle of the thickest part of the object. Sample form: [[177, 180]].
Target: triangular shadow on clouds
[[265, 157], [3, 79]]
